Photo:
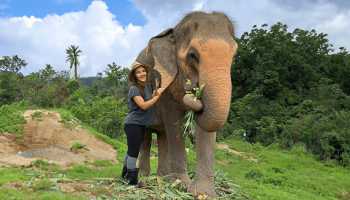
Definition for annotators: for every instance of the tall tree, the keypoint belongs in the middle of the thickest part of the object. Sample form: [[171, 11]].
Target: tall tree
[[11, 64], [48, 73], [114, 73], [73, 53], [10, 78], [117, 77]]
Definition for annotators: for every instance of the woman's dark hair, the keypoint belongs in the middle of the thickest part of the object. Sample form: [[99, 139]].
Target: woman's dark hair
[[132, 80]]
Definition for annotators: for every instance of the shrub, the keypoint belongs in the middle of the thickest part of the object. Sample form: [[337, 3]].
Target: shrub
[[105, 114], [325, 134], [11, 118]]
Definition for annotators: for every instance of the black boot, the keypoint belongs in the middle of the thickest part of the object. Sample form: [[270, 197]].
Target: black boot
[[124, 172], [132, 176]]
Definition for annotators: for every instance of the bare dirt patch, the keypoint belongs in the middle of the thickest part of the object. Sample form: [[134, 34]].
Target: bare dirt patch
[[46, 137], [235, 152]]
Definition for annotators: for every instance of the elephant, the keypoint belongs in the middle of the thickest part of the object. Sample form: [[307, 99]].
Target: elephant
[[200, 48]]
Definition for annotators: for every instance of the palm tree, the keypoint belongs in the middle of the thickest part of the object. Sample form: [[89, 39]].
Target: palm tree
[[73, 53]]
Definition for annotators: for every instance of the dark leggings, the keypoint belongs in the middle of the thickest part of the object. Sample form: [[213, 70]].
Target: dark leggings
[[135, 135]]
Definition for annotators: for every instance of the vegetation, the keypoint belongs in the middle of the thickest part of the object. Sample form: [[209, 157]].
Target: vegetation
[[73, 53], [189, 124], [291, 88], [11, 64], [289, 110], [11, 118], [37, 115], [269, 173], [76, 146], [258, 172]]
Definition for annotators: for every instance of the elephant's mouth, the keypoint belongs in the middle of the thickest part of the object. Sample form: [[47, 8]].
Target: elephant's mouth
[[192, 102], [207, 121], [206, 118]]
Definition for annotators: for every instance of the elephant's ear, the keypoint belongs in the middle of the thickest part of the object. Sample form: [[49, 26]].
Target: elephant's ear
[[160, 55]]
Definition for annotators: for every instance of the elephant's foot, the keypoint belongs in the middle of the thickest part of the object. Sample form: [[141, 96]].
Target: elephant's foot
[[144, 171], [162, 171], [203, 189], [183, 177]]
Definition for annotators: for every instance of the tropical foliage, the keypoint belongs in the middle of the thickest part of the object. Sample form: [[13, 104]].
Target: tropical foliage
[[290, 88], [73, 53]]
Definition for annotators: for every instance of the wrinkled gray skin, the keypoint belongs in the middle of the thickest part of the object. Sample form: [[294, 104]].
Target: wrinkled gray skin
[[200, 48]]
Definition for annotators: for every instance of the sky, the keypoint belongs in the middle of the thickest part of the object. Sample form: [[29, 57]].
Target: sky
[[117, 30]]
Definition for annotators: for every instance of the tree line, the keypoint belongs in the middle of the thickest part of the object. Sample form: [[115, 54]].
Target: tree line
[[290, 87]]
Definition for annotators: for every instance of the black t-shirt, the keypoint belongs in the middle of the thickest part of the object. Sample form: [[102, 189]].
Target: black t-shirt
[[136, 115]]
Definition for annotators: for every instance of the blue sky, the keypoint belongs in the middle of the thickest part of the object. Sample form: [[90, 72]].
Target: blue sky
[[124, 9], [117, 30]]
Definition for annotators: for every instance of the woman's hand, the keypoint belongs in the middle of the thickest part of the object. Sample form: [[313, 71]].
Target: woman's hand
[[158, 92]]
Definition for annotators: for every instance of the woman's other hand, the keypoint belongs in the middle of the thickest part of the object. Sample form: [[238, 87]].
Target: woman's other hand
[[159, 91]]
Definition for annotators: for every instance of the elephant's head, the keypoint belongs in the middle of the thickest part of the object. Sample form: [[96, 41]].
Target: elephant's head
[[200, 48]]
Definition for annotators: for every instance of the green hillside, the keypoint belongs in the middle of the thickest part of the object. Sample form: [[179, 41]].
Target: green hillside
[[243, 171]]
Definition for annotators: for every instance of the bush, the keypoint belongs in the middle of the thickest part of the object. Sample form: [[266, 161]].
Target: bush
[[45, 92], [11, 118], [9, 87], [325, 134], [105, 114]]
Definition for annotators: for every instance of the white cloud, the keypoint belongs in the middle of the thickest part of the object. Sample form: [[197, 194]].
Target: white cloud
[[323, 15], [104, 40], [96, 31]]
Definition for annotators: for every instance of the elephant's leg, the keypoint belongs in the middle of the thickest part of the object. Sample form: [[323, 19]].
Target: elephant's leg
[[163, 163], [204, 178], [144, 155], [177, 153]]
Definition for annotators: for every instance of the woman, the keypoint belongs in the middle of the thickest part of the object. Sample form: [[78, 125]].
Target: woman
[[141, 98]]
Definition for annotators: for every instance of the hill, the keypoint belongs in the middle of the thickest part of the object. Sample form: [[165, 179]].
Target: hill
[[243, 171], [88, 81], [47, 136]]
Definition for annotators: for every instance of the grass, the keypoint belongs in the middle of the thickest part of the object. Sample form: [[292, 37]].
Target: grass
[[76, 146], [281, 174], [277, 174], [37, 115], [14, 194], [12, 174], [11, 118], [67, 118], [103, 183]]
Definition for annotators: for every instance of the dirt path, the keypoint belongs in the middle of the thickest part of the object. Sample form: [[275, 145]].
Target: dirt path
[[237, 153], [47, 137]]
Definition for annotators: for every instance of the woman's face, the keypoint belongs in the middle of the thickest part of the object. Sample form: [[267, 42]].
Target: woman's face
[[141, 74]]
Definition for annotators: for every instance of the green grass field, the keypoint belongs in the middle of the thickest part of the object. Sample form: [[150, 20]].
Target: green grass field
[[280, 174], [290, 175], [251, 171]]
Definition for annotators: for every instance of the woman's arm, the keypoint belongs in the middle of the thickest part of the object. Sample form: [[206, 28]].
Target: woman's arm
[[144, 105]]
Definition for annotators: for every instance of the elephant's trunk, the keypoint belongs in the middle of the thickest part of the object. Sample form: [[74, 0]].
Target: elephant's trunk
[[193, 103], [216, 99], [215, 67]]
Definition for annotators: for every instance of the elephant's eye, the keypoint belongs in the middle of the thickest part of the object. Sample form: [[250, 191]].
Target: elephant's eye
[[193, 56]]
